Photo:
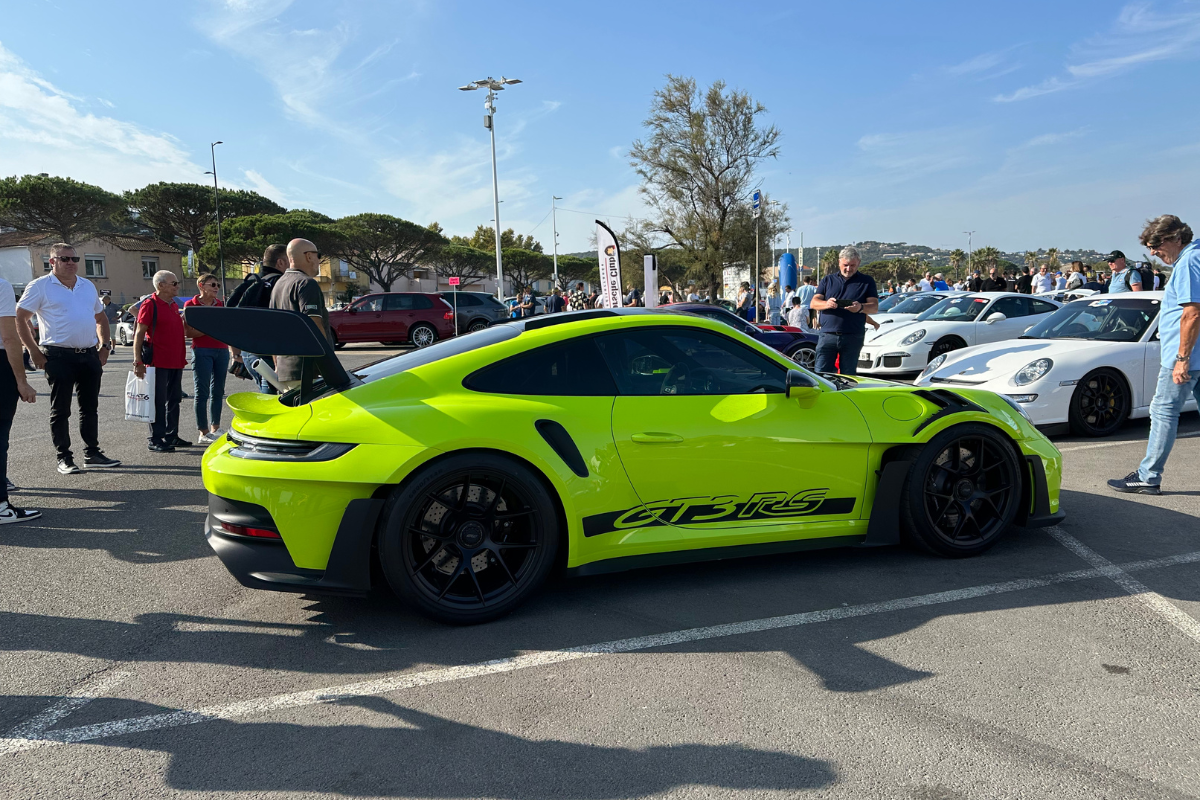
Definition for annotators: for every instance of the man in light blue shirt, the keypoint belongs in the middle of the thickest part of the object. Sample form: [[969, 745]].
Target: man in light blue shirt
[[1123, 279], [806, 292], [1170, 239]]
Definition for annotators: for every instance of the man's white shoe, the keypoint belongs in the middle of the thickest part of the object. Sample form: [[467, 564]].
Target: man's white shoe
[[206, 438], [10, 513]]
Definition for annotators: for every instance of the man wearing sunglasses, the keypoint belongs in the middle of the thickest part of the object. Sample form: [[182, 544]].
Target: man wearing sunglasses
[[297, 291], [71, 323]]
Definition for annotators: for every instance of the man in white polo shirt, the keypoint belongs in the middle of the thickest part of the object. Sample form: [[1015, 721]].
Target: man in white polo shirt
[[72, 323]]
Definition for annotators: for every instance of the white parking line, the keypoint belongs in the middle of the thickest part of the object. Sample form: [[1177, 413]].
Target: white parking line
[[397, 682], [1138, 590], [1118, 444], [35, 726]]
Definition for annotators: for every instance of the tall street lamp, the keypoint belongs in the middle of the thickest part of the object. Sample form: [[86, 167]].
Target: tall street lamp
[[969, 250], [554, 230], [217, 203], [489, 105]]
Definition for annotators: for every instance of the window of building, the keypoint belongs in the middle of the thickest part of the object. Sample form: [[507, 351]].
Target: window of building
[[93, 266], [420, 274], [149, 267], [45, 263]]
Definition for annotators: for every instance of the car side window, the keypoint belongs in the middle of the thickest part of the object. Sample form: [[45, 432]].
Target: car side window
[[1040, 306], [420, 301], [399, 302], [463, 300], [687, 361], [1010, 307], [725, 318], [370, 304], [567, 369]]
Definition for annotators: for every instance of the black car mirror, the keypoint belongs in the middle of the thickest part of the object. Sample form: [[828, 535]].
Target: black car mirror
[[353, 309], [800, 384]]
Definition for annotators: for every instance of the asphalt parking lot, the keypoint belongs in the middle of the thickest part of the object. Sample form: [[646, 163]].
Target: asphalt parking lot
[[1063, 663]]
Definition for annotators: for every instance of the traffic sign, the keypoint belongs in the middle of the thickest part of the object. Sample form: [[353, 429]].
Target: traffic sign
[[757, 198], [455, 281]]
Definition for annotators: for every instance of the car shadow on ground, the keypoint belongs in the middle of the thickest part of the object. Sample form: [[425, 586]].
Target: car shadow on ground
[[347, 636], [409, 753]]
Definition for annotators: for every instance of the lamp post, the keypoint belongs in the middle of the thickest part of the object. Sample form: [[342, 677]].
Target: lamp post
[[969, 251], [554, 229], [489, 105], [217, 203]]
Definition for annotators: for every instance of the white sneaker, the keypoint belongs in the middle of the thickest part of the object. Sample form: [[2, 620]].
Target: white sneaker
[[10, 513], [205, 438]]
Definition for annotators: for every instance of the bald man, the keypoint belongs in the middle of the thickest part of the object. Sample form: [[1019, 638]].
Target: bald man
[[297, 291]]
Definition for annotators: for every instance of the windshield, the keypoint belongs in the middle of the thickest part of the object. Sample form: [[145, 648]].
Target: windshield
[[1107, 320], [915, 304], [436, 352], [891, 300], [965, 308]]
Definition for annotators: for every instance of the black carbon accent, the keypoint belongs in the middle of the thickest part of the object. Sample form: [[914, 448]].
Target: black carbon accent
[[547, 320], [947, 402], [884, 525], [561, 443]]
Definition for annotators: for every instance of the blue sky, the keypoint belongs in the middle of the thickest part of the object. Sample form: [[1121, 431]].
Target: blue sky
[[1036, 124]]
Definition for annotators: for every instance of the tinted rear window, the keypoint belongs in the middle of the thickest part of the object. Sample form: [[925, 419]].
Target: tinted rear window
[[566, 369]]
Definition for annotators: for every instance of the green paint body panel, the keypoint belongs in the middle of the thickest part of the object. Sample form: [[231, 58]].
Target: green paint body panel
[[734, 470]]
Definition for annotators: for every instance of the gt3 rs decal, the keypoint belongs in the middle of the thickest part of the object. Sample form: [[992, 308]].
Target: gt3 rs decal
[[718, 510]]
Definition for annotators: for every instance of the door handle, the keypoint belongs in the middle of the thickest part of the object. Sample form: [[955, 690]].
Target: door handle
[[656, 438]]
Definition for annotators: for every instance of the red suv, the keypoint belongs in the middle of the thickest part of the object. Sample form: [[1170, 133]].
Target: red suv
[[394, 318]]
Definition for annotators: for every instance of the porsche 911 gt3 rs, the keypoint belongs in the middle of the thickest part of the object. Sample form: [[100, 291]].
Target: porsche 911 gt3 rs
[[592, 441]]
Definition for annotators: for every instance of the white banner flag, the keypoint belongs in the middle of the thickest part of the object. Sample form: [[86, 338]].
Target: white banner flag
[[610, 266]]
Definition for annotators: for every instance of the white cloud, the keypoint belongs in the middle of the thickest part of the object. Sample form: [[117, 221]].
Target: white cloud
[[985, 65], [264, 187], [1140, 34], [1053, 138], [42, 129], [901, 157]]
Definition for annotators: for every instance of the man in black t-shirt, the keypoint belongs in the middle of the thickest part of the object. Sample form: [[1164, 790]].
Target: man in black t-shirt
[[844, 298], [297, 291], [995, 282], [555, 302], [1025, 282], [976, 282]]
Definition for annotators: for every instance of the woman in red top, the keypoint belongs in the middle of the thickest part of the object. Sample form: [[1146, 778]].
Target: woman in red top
[[160, 324], [209, 365]]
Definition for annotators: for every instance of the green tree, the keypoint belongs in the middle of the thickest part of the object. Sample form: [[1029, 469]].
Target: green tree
[[1031, 260], [183, 213], [829, 261], [957, 259], [484, 238], [1052, 259], [468, 264], [697, 165], [572, 269], [986, 258], [244, 239], [523, 267], [67, 208], [384, 247]]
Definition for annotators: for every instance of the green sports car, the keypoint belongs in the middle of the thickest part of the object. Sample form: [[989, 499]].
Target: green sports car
[[592, 441]]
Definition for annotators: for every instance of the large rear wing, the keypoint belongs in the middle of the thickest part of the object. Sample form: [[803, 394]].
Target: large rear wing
[[274, 332]]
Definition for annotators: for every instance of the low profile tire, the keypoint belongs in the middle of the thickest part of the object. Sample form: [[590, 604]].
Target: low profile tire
[[422, 335], [124, 337], [469, 539], [337, 345], [805, 356], [1100, 404], [945, 345], [962, 492], [477, 325]]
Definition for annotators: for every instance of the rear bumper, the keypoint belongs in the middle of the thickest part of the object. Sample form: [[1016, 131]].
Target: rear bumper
[[266, 563]]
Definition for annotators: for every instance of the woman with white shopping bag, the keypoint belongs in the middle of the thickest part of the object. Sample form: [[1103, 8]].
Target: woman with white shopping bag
[[13, 387], [159, 342]]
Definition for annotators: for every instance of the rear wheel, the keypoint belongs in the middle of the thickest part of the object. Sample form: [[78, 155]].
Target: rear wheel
[[469, 539], [124, 337], [336, 344], [422, 335], [962, 492], [805, 355], [477, 325], [1100, 404]]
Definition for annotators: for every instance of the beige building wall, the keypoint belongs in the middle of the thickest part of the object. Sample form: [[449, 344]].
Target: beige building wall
[[123, 272]]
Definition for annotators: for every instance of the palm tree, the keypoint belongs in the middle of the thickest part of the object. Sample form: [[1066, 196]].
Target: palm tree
[[987, 257], [1031, 260], [957, 257], [1052, 259]]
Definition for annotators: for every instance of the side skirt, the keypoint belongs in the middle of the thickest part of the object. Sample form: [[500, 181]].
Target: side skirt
[[711, 554]]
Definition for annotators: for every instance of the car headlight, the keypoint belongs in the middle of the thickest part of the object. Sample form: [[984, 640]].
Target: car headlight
[[913, 337], [1017, 406], [1032, 371], [935, 364]]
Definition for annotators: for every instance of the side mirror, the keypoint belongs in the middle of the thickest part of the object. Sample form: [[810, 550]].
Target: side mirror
[[353, 309], [997, 317], [800, 384]]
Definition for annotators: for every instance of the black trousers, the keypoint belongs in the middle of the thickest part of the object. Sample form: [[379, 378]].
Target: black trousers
[[168, 392], [70, 373], [8, 409]]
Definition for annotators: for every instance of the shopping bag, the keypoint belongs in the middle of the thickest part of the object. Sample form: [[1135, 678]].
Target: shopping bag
[[139, 397]]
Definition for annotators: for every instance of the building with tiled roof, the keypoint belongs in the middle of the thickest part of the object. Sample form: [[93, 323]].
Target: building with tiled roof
[[119, 264]]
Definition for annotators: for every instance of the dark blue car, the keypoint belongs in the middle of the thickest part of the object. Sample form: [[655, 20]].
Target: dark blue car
[[798, 346]]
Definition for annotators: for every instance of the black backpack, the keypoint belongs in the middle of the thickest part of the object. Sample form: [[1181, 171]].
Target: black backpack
[[254, 291], [1146, 275]]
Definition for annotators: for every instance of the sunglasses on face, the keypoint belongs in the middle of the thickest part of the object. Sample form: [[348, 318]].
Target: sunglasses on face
[[315, 252], [68, 258], [171, 283], [212, 285]]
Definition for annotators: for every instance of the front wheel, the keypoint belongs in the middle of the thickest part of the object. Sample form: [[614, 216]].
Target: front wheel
[[806, 356], [945, 345], [422, 335], [1100, 404], [124, 337], [469, 539], [962, 491]]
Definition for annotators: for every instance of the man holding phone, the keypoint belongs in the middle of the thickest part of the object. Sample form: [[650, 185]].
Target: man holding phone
[[844, 298]]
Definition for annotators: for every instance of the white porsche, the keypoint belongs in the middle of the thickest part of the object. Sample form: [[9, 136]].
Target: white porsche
[[956, 322], [910, 306], [1088, 366]]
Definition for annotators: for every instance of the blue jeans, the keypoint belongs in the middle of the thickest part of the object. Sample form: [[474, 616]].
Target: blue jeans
[[1165, 408], [259, 381], [208, 372], [842, 348]]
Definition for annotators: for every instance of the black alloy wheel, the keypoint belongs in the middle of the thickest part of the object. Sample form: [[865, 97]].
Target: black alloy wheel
[[962, 492], [945, 345], [470, 539], [1100, 403], [421, 335], [336, 344]]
